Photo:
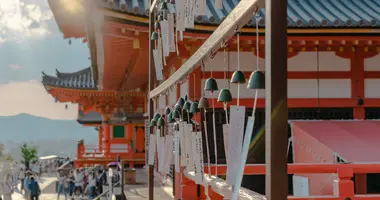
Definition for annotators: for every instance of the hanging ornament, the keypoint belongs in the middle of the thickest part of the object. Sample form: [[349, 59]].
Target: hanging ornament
[[161, 122], [256, 80], [225, 96], [156, 117], [177, 107], [69, 42], [154, 36], [186, 106], [153, 123], [160, 17], [157, 25], [181, 101], [167, 111], [211, 85], [203, 103], [176, 115], [238, 77], [164, 6], [170, 118], [194, 108], [66, 106], [172, 1]]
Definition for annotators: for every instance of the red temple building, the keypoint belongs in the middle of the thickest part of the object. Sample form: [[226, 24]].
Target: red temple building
[[333, 74]]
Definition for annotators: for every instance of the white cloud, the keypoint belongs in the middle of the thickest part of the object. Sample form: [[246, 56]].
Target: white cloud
[[31, 97], [20, 20], [15, 66]]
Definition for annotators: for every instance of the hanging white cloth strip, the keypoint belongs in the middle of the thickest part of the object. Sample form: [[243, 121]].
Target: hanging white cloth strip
[[189, 145], [180, 15], [182, 142], [158, 64], [172, 47], [160, 150], [207, 148], [200, 156], [196, 158], [218, 4], [200, 7], [165, 37], [168, 154], [215, 147], [226, 128], [235, 141], [189, 13], [152, 148], [249, 128], [176, 152]]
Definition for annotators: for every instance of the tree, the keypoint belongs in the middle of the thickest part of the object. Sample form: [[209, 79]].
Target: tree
[[1, 150], [28, 154]]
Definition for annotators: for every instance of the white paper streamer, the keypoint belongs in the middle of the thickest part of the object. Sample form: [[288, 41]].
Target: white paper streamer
[[196, 158], [218, 4], [201, 7], [176, 152], [200, 156], [189, 13], [158, 64], [165, 37], [171, 43], [168, 154], [180, 17], [226, 128], [152, 148], [235, 141], [189, 145], [160, 150], [182, 142]]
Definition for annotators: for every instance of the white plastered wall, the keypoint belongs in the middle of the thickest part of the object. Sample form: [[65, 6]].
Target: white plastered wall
[[371, 86], [297, 88]]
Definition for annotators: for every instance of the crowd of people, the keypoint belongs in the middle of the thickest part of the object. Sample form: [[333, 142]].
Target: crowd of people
[[83, 183]]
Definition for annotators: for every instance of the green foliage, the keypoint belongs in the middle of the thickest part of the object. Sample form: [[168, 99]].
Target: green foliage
[[9, 158], [28, 154]]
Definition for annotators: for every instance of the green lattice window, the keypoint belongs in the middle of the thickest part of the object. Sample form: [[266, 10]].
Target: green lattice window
[[118, 132]]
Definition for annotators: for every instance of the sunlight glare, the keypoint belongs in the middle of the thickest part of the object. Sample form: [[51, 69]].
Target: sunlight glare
[[73, 6]]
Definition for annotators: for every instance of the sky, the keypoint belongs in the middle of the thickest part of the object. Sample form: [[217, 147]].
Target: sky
[[30, 42]]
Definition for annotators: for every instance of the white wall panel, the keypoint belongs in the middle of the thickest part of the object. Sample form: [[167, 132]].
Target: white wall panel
[[162, 102], [372, 64], [304, 61], [297, 88], [184, 89], [335, 88], [247, 62], [302, 88], [372, 88]]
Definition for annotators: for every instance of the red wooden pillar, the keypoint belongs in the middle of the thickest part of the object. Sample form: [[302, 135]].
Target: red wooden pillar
[[346, 186], [107, 137]]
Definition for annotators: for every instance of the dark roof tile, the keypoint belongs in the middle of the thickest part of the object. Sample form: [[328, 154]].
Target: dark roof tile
[[78, 80]]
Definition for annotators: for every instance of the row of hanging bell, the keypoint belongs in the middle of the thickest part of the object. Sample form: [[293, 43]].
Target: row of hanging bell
[[256, 81]]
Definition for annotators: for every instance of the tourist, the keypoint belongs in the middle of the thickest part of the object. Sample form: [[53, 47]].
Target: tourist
[[71, 181], [62, 186], [7, 187], [26, 183], [79, 183], [91, 185], [21, 176], [34, 189]]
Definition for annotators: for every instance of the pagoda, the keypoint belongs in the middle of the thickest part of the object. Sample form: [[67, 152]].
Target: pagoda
[[333, 74]]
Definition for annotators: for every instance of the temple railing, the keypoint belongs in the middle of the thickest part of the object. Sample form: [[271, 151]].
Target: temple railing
[[345, 186]]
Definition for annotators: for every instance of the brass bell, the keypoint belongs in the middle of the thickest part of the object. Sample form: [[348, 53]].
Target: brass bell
[[203, 103]]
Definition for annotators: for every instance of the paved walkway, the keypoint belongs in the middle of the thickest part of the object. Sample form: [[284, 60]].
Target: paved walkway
[[47, 187], [140, 191]]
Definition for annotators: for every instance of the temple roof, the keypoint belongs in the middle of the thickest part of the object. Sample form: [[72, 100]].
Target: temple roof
[[77, 80], [301, 13]]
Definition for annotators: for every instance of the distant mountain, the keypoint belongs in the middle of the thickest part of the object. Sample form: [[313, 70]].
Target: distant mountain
[[50, 136]]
